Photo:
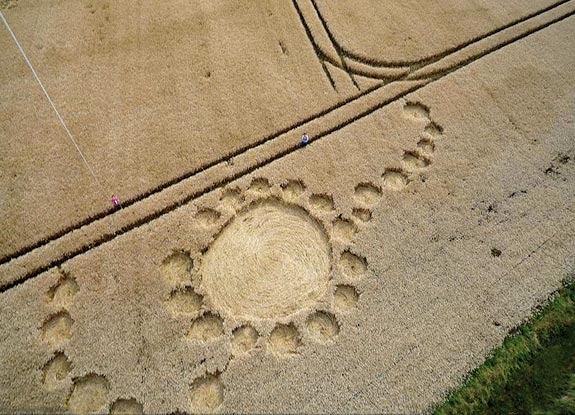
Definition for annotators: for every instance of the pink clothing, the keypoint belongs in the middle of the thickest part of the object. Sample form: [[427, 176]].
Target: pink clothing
[[115, 201]]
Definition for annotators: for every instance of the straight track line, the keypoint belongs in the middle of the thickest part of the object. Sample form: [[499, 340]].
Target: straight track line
[[128, 202], [141, 221]]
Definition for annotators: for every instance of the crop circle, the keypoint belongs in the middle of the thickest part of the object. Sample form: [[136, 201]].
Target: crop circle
[[270, 261]]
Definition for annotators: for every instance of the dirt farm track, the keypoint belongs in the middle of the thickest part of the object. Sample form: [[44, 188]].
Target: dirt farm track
[[431, 212]]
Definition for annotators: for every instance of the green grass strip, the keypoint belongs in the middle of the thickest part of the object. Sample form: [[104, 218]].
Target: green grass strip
[[532, 372]]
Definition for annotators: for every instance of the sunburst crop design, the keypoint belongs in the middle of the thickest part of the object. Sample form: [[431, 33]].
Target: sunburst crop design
[[280, 271], [281, 267]]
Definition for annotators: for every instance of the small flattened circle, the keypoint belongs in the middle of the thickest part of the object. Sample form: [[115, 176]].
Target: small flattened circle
[[126, 407], [64, 292], [367, 194], [56, 370], [208, 218], [260, 186], [364, 215], [232, 198], [243, 340], [89, 394], [176, 269], [322, 327], [207, 394], [395, 179], [343, 230], [352, 266], [184, 301], [206, 328], [322, 202], [58, 328], [293, 189], [284, 339], [345, 298]]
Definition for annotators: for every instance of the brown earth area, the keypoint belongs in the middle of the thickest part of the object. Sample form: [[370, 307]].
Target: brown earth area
[[367, 272]]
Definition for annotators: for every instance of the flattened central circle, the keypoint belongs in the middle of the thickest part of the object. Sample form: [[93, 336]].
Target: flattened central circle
[[270, 261]]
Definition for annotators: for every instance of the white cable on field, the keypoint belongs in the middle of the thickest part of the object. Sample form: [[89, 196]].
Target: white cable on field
[[50, 101]]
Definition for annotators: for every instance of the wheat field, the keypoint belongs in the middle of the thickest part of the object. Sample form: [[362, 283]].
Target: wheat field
[[367, 271]]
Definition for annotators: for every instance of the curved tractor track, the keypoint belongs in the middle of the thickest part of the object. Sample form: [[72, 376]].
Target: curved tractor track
[[330, 50]]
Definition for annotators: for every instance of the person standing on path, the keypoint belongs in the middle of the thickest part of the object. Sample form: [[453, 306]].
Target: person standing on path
[[116, 202]]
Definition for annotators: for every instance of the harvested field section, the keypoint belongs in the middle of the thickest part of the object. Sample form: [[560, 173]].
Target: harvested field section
[[151, 94]]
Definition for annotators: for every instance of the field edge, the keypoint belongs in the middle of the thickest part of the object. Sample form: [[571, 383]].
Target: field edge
[[524, 342]]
